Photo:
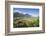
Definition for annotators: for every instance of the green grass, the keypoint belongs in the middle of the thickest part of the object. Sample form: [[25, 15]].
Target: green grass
[[26, 22]]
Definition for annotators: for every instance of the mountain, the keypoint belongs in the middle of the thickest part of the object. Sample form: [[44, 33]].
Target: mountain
[[16, 14]]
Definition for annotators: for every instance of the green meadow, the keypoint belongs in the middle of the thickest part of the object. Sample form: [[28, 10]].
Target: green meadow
[[21, 20]]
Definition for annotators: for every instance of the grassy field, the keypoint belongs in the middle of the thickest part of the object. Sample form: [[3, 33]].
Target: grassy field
[[25, 22]]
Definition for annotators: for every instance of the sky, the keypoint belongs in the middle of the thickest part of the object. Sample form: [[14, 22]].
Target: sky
[[30, 11]]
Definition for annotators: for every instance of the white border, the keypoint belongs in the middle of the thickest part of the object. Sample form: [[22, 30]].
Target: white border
[[25, 29]]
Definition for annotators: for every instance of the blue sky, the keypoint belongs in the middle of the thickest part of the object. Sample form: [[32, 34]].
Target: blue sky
[[30, 11]]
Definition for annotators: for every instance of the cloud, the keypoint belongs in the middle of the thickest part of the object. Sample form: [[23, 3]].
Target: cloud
[[20, 11], [17, 11]]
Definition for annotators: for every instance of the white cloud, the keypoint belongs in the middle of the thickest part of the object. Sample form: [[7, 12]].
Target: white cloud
[[17, 11]]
